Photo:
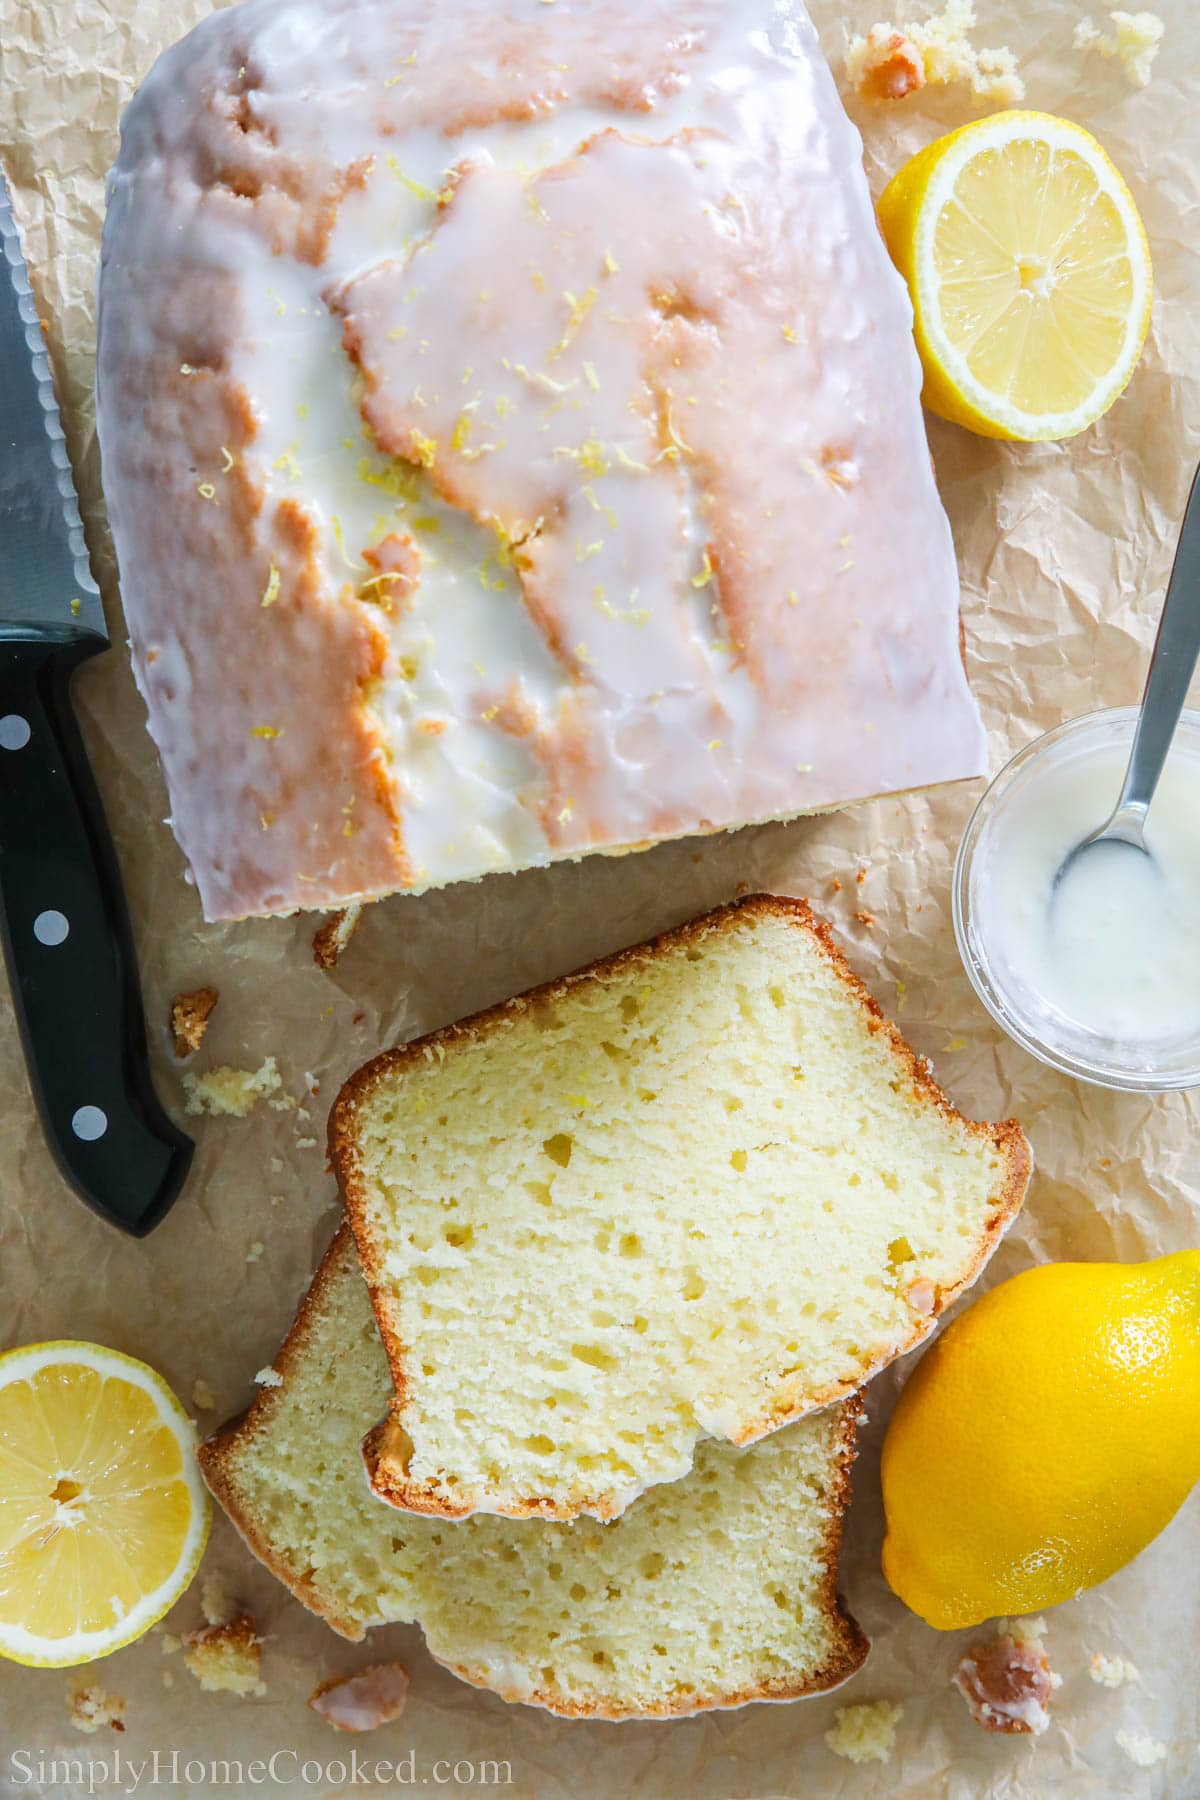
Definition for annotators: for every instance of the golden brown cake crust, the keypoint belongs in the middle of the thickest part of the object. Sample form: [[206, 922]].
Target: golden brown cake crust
[[189, 1018], [331, 938], [1007, 1137]]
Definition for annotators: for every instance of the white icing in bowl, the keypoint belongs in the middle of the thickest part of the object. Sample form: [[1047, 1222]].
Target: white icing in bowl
[[1100, 978]]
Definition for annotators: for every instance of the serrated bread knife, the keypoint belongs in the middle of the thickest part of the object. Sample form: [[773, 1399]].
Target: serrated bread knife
[[62, 910]]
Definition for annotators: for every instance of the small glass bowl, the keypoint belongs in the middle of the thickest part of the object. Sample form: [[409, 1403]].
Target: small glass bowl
[[1140, 1067]]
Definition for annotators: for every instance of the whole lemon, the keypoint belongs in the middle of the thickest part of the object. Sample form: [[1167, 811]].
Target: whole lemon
[[1044, 1440]]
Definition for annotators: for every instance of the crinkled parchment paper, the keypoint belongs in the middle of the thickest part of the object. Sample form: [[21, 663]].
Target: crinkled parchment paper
[[1064, 552]]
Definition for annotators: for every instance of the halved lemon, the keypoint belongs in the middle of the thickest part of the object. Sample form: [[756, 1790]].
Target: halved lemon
[[1029, 273], [103, 1513]]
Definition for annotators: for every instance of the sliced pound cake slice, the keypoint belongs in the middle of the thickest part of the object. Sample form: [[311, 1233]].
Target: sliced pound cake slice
[[715, 1591], [696, 1190]]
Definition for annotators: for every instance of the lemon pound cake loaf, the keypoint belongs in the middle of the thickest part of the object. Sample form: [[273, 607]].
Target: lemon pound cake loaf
[[694, 1191], [513, 461], [716, 1591]]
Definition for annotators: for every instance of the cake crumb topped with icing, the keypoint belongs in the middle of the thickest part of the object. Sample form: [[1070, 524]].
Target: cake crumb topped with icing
[[363, 1700], [1007, 1682], [892, 61], [885, 65]]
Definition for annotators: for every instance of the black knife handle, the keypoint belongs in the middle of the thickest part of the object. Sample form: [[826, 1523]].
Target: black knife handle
[[69, 949]]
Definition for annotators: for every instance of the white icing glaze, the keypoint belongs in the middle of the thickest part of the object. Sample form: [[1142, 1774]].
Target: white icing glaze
[[653, 284]]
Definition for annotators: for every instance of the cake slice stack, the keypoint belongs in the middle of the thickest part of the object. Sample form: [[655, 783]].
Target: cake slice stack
[[713, 1591], [695, 1191], [615, 1230]]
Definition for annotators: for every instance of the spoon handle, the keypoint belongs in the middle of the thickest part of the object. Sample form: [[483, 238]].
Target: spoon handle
[[1172, 666]]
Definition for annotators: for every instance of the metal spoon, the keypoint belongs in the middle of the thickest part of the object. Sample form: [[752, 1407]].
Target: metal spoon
[[1172, 665]]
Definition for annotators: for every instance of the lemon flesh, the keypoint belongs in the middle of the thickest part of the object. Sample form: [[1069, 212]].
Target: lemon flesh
[[1046, 1438], [103, 1514], [1029, 274]]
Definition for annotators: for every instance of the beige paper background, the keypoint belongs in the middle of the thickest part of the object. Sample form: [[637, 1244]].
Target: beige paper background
[[1064, 552]]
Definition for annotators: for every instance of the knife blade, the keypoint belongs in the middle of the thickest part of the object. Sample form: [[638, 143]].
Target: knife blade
[[63, 917], [44, 575]]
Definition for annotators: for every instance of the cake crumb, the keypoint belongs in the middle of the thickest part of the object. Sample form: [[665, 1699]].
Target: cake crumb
[[92, 1709], [254, 1253], [1134, 42], [361, 1702], [231, 1093], [202, 1395], [865, 1733], [269, 1377], [865, 918], [171, 1645], [1143, 1751], [190, 1014], [1112, 1671], [216, 1602], [1007, 1682], [891, 62], [226, 1658], [333, 936]]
